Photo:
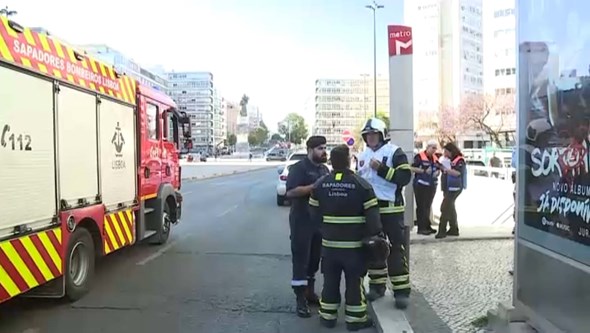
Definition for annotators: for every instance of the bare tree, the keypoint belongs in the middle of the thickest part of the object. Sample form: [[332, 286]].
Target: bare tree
[[449, 124], [489, 113]]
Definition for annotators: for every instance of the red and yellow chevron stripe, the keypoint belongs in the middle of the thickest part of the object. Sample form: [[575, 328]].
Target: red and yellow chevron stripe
[[29, 261], [52, 58], [119, 230]]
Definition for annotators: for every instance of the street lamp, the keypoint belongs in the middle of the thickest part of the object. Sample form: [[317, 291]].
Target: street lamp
[[6, 12], [374, 6]]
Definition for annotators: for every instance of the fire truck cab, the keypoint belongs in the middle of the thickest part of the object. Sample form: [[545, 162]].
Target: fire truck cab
[[89, 160]]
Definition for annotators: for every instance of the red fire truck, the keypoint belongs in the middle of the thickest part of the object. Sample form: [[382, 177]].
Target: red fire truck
[[89, 164]]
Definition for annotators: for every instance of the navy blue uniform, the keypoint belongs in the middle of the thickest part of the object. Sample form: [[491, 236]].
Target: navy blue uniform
[[306, 240], [349, 211], [425, 185], [452, 186]]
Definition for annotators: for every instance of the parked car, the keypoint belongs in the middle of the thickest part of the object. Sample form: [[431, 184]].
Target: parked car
[[283, 172], [477, 163], [277, 155]]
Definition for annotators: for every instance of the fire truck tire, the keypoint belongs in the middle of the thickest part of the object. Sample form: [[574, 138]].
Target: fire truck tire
[[163, 233], [79, 270]]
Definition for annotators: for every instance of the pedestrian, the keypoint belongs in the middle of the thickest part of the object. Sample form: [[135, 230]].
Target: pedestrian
[[454, 180], [305, 235], [349, 213], [385, 166], [495, 163], [427, 171]]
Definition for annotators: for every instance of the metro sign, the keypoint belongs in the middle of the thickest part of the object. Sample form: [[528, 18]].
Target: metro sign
[[400, 40]]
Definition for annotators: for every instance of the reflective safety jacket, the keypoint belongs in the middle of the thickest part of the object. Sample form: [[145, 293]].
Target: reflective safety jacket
[[428, 164], [393, 173], [456, 183], [347, 208]]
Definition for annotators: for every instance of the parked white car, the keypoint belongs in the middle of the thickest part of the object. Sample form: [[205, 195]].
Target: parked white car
[[283, 171]]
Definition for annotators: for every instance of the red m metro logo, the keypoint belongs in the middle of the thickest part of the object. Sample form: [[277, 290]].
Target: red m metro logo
[[400, 40]]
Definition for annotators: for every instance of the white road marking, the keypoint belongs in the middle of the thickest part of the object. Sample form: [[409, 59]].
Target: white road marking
[[160, 251], [225, 212], [167, 247]]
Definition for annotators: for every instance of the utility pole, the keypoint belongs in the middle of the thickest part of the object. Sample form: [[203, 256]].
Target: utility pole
[[374, 6], [7, 12]]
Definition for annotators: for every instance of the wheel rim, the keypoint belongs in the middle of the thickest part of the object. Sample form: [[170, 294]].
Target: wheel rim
[[79, 263], [165, 223]]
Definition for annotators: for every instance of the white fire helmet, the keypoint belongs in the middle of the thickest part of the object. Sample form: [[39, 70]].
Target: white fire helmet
[[374, 125]]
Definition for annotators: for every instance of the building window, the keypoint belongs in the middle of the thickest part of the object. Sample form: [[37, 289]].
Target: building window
[[152, 123]]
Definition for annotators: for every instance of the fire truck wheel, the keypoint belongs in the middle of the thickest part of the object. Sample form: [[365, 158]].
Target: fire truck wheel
[[162, 236], [79, 264]]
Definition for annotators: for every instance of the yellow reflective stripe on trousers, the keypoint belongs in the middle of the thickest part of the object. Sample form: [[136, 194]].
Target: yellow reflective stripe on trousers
[[313, 202], [370, 203], [356, 308], [400, 278], [344, 219], [329, 306], [342, 244], [382, 280], [400, 286], [389, 174], [352, 319], [382, 271], [328, 316]]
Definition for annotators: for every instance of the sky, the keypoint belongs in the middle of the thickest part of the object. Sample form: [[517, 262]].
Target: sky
[[271, 50]]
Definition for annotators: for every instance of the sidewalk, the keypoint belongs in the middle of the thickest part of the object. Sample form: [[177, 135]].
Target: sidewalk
[[468, 233], [200, 171], [431, 307]]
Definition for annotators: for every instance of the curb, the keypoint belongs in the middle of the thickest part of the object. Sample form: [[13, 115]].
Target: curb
[[218, 175], [459, 239], [386, 317]]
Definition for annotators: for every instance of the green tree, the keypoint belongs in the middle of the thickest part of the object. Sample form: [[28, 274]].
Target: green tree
[[252, 139], [231, 139], [276, 137], [258, 136], [293, 128]]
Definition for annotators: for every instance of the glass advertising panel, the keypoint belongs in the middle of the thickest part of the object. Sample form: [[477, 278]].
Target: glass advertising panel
[[554, 106]]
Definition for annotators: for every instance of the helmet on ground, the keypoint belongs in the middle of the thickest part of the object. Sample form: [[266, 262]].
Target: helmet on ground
[[376, 249], [374, 125]]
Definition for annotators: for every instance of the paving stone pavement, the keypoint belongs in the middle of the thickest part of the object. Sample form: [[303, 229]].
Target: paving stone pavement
[[459, 282]]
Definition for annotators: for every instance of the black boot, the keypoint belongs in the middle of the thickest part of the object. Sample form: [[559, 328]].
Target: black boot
[[327, 323], [402, 301], [310, 295], [376, 291], [302, 310], [359, 326]]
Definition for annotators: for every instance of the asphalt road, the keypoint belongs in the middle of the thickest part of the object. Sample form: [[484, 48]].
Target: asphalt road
[[226, 268]]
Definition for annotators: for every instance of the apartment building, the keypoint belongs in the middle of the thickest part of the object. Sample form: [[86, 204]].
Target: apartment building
[[232, 110], [499, 24], [448, 58], [195, 93], [345, 103]]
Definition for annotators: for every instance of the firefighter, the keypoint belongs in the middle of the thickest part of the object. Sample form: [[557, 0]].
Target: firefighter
[[385, 166], [426, 168], [349, 213], [305, 234]]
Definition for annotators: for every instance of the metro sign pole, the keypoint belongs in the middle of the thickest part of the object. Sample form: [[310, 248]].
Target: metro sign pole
[[401, 106]]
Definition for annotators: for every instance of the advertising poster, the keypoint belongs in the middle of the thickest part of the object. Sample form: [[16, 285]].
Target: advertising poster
[[554, 107]]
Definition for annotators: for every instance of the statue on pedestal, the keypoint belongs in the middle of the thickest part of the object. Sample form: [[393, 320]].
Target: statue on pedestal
[[243, 128]]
